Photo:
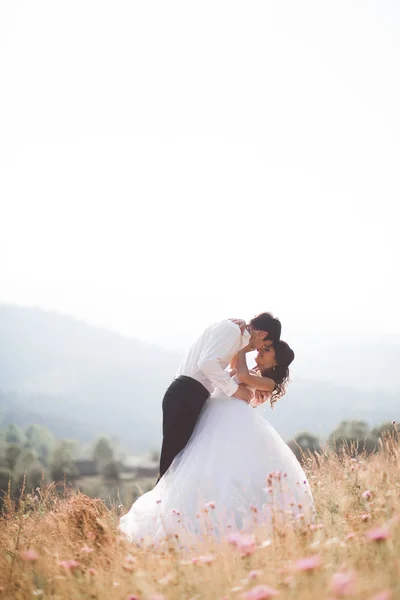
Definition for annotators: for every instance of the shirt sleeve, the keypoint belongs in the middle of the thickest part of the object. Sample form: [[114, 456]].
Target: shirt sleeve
[[222, 343]]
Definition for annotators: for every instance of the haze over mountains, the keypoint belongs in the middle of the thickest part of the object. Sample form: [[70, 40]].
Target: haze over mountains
[[83, 381]]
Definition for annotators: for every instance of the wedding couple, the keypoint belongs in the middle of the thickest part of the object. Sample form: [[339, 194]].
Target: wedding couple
[[223, 467]]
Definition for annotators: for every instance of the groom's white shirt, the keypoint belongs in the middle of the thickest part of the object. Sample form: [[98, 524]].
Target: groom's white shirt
[[207, 359]]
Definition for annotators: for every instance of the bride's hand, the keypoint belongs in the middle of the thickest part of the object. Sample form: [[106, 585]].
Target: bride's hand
[[248, 348], [241, 323]]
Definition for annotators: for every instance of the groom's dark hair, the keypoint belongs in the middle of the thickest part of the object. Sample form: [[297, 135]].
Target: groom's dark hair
[[267, 322]]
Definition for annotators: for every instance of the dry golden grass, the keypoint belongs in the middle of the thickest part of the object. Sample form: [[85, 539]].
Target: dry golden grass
[[104, 565]]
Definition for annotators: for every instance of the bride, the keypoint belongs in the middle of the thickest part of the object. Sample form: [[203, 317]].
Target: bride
[[236, 473]]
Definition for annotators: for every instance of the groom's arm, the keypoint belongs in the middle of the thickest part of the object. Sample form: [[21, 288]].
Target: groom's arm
[[223, 342]]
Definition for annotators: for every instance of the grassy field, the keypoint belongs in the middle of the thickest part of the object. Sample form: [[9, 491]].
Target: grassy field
[[114, 492], [67, 547]]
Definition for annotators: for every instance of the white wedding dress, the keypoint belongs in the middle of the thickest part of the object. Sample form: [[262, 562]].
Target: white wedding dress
[[235, 474]]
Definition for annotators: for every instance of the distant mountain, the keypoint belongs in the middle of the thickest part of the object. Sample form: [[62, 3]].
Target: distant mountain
[[83, 381], [28, 409], [363, 361], [318, 407], [89, 379]]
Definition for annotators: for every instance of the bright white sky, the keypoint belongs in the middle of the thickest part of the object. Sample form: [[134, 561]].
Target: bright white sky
[[165, 164]]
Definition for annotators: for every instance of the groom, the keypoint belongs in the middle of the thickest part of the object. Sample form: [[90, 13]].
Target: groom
[[202, 370]]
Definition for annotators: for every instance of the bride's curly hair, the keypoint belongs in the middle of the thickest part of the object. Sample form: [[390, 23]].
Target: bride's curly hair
[[284, 356]]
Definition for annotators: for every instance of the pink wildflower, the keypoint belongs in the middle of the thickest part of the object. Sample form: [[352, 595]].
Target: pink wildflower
[[31, 555], [167, 579], [210, 505], [260, 592], [234, 538], [158, 501], [92, 571], [350, 536], [254, 574], [365, 517], [128, 568], [133, 597], [247, 547], [176, 512], [206, 559], [86, 549], [343, 584], [379, 534], [130, 559], [289, 581], [70, 565], [383, 595], [366, 495], [308, 563], [245, 543]]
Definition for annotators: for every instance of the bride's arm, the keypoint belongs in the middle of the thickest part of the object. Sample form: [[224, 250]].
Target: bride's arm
[[258, 383]]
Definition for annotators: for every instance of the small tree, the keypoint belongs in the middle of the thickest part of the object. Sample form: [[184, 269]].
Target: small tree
[[63, 460], [155, 456], [354, 436], [12, 453], [26, 458], [40, 439], [387, 429], [304, 443], [14, 434], [103, 452]]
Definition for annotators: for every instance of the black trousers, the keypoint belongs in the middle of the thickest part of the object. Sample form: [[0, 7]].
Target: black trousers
[[182, 406]]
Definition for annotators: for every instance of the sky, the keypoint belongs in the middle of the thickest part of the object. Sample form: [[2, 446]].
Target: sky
[[168, 164]]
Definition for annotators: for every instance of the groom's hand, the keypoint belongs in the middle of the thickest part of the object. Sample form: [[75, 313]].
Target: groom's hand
[[260, 397], [243, 393]]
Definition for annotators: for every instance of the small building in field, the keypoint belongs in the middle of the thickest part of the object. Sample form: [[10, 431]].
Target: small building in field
[[86, 467], [140, 466]]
